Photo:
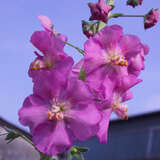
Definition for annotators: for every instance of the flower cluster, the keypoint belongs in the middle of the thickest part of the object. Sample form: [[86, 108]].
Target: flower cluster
[[65, 107]]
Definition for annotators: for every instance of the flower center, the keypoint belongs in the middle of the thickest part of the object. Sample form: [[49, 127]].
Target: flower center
[[56, 112], [120, 110], [40, 64], [118, 60]]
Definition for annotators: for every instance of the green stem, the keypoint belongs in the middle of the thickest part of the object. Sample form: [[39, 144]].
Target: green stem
[[98, 25], [78, 49], [27, 140], [116, 15]]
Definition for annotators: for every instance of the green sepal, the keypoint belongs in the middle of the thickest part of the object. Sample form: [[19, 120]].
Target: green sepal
[[101, 25], [82, 75]]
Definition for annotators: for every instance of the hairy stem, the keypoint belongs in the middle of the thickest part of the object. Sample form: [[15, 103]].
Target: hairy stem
[[116, 15], [78, 49]]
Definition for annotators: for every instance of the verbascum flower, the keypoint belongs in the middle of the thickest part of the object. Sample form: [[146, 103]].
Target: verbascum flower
[[52, 55], [60, 111], [99, 11], [151, 18], [111, 99], [51, 47], [114, 55]]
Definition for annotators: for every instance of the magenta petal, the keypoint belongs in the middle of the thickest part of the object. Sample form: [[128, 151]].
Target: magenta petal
[[33, 112], [84, 121], [127, 82], [78, 91], [102, 133], [136, 65], [65, 65], [109, 36], [130, 46], [47, 44], [127, 96], [49, 84], [95, 78], [77, 67], [107, 89], [93, 55], [41, 40], [52, 138], [146, 49]]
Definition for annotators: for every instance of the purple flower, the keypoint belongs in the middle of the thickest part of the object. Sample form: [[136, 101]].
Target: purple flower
[[134, 3], [109, 96], [151, 18], [52, 56], [114, 55], [51, 46], [99, 10], [59, 112], [110, 100]]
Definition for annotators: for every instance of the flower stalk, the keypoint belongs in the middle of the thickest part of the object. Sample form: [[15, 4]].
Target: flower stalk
[[117, 15], [78, 49]]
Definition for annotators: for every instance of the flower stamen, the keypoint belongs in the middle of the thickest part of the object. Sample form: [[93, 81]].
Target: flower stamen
[[119, 60], [56, 112], [39, 64], [120, 110]]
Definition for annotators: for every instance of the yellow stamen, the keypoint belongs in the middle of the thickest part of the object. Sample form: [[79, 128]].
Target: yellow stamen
[[50, 115]]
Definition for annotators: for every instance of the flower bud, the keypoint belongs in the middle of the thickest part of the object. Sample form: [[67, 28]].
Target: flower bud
[[87, 30], [99, 11], [134, 3], [151, 18]]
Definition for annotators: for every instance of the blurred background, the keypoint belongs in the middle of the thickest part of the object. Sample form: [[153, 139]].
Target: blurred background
[[19, 20]]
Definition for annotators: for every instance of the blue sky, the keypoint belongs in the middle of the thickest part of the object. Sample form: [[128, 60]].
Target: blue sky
[[19, 21]]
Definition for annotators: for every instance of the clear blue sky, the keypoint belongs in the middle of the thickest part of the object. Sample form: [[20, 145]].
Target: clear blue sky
[[19, 20]]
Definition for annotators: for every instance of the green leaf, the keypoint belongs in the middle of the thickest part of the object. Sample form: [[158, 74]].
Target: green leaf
[[80, 149], [76, 152], [82, 75], [77, 155], [11, 136]]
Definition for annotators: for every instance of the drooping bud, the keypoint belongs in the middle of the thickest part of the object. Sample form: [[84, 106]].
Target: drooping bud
[[99, 11], [151, 18], [134, 3], [87, 29], [46, 23]]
